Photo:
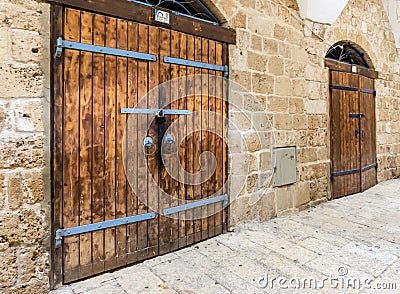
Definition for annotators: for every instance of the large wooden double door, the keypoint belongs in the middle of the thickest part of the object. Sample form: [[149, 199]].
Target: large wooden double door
[[90, 181], [353, 133]]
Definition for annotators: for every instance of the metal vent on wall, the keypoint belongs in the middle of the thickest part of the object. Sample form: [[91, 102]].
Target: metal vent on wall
[[192, 8]]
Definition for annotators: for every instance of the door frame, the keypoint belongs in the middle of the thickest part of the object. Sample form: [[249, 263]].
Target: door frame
[[334, 65], [131, 11]]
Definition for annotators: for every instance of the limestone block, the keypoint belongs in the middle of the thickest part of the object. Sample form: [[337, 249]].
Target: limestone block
[[270, 46], [280, 32], [256, 42], [20, 81], [239, 20], [22, 226], [28, 115], [14, 191], [262, 83], [20, 17], [253, 142], [5, 117], [240, 121], [235, 141], [32, 186], [254, 103], [302, 194], [284, 198], [316, 106], [4, 43], [283, 121], [256, 61], [8, 269], [300, 121], [26, 46], [251, 183], [275, 65], [296, 105], [2, 191], [23, 151], [314, 90], [265, 162], [277, 104], [260, 25], [243, 78], [299, 87]]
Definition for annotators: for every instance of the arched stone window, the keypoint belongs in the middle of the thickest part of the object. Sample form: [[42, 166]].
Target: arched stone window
[[192, 8], [348, 53]]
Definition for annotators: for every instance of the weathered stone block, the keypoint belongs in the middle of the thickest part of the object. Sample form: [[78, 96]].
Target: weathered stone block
[[275, 65], [316, 106], [24, 151], [296, 105], [20, 81], [283, 121], [254, 103], [4, 43], [270, 46], [256, 61], [8, 269], [5, 117], [2, 191], [283, 86], [32, 187], [28, 115], [20, 17], [14, 191], [253, 142], [277, 104], [262, 83], [26, 46], [256, 42], [302, 195]]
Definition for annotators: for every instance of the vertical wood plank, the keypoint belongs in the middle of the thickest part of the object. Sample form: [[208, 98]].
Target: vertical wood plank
[[57, 20], [98, 173], [182, 137], [85, 139], [190, 139], [205, 191], [71, 146], [143, 87], [121, 231], [152, 161], [165, 180], [132, 144], [225, 111], [197, 140], [110, 141]]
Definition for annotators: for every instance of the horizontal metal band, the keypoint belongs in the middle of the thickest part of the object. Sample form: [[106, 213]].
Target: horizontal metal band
[[60, 233], [195, 204], [357, 115], [346, 88], [344, 173], [179, 61], [100, 49], [371, 166], [154, 111], [368, 91]]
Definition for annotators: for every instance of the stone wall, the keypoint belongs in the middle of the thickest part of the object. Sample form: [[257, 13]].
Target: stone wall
[[278, 58], [24, 100]]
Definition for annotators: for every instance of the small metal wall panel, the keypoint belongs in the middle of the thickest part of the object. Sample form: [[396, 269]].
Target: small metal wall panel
[[285, 166]]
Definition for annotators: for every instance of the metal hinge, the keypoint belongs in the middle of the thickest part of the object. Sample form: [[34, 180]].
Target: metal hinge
[[195, 204], [61, 233], [61, 44], [203, 65], [155, 111]]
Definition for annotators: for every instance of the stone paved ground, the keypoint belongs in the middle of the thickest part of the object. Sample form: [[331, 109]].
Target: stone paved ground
[[350, 241]]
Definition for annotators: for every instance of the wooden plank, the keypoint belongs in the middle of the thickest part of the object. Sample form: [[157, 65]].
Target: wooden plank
[[165, 181], [345, 67], [205, 189], [225, 111], [144, 14], [85, 139], [212, 136], [219, 143], [71, 145], [182, 137], [189, 188], [132, 142], [174, 189], [110, 142], [152, 161], [98, 173], [122, 76], [197, 139], [57, 19]]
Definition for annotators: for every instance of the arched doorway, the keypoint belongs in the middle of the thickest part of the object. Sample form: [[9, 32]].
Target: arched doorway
[[107, 56], [352, 119]]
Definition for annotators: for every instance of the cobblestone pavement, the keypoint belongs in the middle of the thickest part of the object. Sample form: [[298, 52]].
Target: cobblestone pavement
[[337, 247]]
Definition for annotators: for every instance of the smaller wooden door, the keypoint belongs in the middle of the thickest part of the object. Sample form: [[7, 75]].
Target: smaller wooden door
[[353, 133]]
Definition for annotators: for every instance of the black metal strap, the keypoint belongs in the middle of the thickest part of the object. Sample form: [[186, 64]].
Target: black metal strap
[[357, 115], [371, 166], [367, 91], [345, 88], [344, 173]]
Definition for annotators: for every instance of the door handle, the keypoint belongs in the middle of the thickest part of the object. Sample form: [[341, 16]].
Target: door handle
[[356, 133]]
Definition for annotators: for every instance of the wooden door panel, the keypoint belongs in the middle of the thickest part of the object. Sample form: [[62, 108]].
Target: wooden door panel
[[89, 128], [368, 133], [345, 134]]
